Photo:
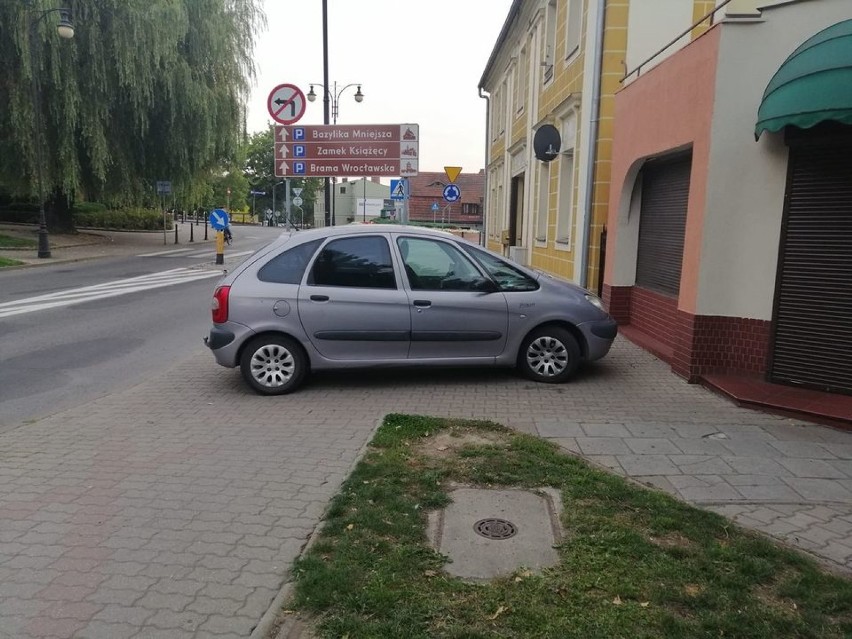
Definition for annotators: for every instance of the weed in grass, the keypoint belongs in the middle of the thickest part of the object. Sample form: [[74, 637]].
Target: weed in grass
[[633, 562]]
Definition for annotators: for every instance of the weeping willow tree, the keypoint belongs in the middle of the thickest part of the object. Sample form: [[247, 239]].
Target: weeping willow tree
[[146, 90]]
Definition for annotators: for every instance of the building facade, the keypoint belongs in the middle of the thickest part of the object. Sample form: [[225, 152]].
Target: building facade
[[729, 244], [559, 63]]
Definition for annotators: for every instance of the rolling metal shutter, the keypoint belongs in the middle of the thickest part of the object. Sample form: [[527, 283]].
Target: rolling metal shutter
[[812, 328], [662, 224]]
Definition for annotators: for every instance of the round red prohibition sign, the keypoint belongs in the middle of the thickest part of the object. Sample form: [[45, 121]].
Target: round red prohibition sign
[[286, 104]]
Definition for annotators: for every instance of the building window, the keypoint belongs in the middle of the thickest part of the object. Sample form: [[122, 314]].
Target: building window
[[565, 204], [522, 78], [573, 27], [342, 190], [543, 202], [549, 42]]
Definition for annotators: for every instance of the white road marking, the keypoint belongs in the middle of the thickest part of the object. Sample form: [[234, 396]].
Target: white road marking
[[105, 290], [159, 253]]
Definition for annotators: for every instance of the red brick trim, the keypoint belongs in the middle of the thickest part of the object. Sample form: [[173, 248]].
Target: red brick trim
[[694, 345], [616, 300]]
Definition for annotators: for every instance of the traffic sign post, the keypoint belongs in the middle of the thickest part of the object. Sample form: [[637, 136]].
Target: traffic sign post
[[286, 104], [219, 221], [435, 208]]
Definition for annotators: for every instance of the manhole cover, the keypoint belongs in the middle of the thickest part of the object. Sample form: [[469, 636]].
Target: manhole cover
[[495, 528]]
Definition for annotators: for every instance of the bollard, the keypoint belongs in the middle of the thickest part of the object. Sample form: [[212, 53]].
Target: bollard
[[176, 231], [191, 239], [220, 247], [205, 227]]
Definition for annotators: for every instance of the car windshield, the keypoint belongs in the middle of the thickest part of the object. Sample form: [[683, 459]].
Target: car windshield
[[507, 276]]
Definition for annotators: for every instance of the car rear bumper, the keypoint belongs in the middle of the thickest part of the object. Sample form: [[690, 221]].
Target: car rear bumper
[[225, 341]]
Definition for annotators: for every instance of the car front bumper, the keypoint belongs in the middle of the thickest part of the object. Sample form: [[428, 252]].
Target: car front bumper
[[599, 337]]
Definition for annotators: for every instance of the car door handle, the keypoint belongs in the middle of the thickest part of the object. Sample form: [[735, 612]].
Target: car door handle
[[319, 298], [422, 303]]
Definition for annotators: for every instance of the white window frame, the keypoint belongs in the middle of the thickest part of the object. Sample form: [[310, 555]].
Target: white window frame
[[573, 28], [548, 72], [566, 187], [543, 209]]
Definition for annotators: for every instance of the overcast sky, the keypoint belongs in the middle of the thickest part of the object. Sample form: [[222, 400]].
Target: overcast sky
[[417, 62]]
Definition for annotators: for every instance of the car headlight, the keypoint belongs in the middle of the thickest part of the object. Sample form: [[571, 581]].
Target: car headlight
[[595, 301]]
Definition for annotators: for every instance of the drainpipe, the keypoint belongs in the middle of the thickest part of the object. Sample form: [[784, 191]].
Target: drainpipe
[[600, 23], [483, 240]]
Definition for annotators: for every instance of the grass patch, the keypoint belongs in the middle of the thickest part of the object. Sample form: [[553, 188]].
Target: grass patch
[[635, 562], [8, 241], [7, 262]]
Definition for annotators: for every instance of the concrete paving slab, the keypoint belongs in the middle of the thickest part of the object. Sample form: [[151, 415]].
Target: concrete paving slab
[[528, 541]]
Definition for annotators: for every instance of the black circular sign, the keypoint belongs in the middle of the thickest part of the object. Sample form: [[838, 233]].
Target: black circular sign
[[546, 143]]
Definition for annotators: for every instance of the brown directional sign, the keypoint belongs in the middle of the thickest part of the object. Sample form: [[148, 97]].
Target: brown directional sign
[[386, 150], [331, 168]]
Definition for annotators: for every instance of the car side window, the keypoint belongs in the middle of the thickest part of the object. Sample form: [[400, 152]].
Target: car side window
[[509, 278], [433, 265], [289, 266], [359, 262]]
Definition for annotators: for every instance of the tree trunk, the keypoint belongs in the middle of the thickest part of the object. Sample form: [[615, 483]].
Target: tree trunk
[[58, 212]]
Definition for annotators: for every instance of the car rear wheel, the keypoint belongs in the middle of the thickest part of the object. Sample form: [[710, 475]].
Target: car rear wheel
[[273, 365], [549, 354]]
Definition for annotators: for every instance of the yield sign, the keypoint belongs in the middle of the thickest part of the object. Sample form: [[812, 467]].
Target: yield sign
[[452, 172], [297, 191], [286, 103]]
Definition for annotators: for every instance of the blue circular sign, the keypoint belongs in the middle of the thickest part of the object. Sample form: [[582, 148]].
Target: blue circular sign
[[452, 193], [219, 219]]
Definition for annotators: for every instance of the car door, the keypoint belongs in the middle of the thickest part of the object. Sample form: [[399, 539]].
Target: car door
[[351, 305], [453, 314]]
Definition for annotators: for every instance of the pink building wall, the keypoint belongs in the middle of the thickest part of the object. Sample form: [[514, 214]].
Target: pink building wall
[[666, 108]]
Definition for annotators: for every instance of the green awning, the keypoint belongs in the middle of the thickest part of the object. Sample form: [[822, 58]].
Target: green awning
[[813, 85]]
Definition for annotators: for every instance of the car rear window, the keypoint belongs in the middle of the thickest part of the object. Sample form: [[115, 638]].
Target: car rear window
[[288, 267]]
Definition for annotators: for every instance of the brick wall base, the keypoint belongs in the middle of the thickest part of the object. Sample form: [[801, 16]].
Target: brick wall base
[[693, 345]]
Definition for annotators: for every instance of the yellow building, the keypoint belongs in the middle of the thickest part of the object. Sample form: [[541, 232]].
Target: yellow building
[[557, 64]]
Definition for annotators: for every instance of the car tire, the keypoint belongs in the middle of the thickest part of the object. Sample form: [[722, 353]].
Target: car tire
[[549, 354], [273, 365]]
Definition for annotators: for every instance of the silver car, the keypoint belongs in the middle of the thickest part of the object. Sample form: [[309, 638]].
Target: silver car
[[366, 296]]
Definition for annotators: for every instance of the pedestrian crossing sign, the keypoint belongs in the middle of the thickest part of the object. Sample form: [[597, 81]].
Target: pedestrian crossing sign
[[397, 189]]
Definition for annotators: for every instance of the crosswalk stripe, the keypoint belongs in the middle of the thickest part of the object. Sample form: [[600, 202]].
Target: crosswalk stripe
[[161, 253], [104, 290]]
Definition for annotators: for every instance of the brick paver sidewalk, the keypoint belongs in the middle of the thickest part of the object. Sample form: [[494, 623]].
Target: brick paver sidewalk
[[175, 509]]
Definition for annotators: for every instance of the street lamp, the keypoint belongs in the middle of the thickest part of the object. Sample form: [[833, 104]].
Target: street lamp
[[65, 29], [333, 96]]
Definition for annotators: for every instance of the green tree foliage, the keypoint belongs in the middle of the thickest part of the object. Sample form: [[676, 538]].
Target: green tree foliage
[[146, 90], [260, 172]]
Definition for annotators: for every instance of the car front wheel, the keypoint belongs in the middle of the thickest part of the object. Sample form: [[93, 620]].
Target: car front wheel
[[549, 354], [273, 365]]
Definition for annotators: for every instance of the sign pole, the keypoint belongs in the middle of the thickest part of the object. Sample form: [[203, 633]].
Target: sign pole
[[405, 188], [163, 206]]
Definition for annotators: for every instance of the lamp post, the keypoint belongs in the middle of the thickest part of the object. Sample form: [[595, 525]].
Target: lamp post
[[332, 97], [65, 29]]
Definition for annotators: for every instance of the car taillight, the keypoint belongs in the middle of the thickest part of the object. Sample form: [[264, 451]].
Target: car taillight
[[220, 304]]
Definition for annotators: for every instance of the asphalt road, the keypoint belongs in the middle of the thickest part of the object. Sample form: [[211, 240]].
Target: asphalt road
[[140, 315]]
